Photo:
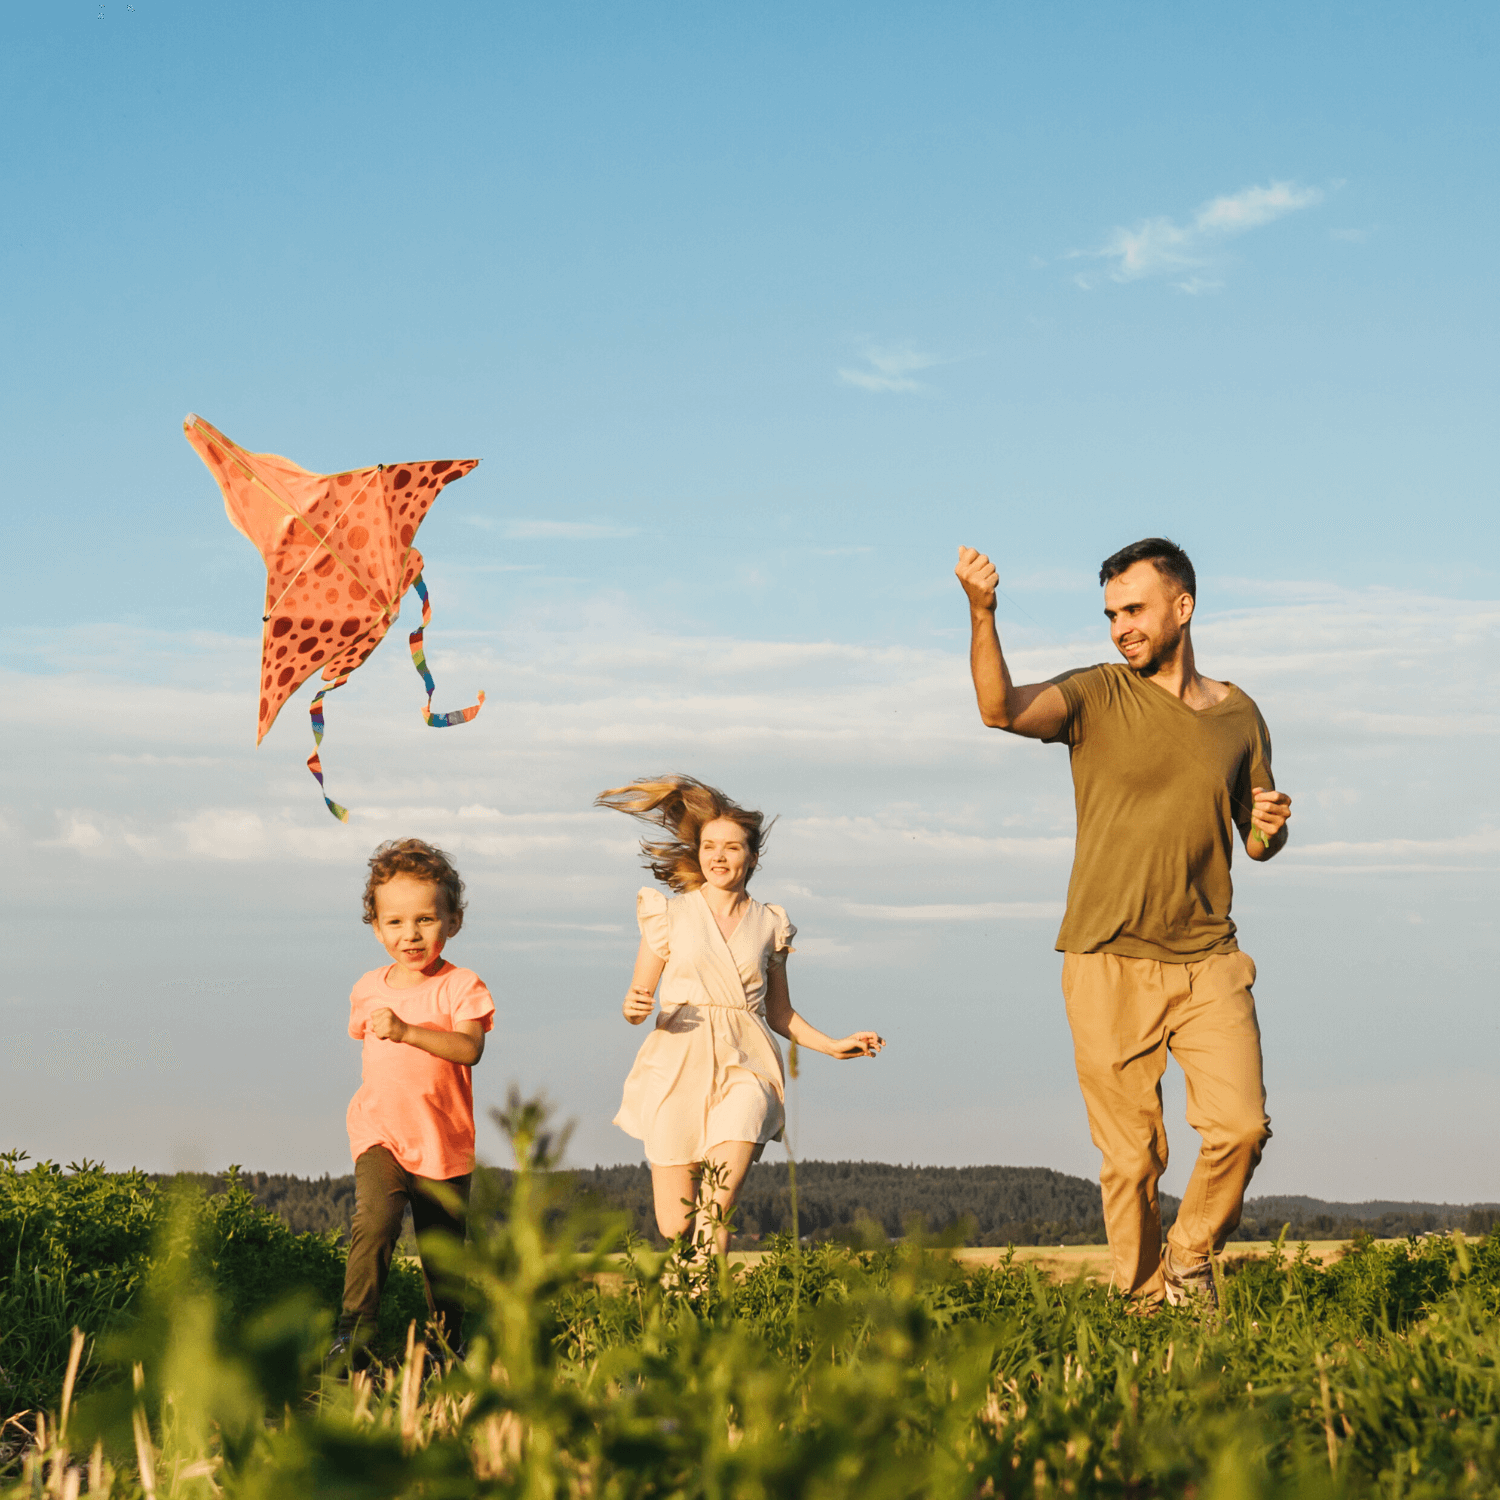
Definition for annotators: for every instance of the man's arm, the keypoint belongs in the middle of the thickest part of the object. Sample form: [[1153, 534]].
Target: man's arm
[[1038, 709], [1268, 820]]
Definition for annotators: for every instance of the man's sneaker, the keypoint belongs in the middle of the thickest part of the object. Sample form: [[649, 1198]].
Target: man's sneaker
[[347, 1357], [1191, 1288]]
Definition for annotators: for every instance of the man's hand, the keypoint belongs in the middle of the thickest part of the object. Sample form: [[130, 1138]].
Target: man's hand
[[978, 576], [638, 1005], [1268, 819], [387, 1025]]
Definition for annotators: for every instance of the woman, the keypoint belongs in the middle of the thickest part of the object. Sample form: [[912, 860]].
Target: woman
[[708, 1084]]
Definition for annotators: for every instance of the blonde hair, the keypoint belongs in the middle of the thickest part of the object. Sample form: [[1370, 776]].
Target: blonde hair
[[422, 860], [681, 805]]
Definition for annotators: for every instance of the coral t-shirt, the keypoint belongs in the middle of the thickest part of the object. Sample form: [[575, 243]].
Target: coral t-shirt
[[419, 1107]]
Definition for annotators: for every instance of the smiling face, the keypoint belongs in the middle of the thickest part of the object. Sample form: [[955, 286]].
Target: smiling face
[[724, 855], [1148, 614], [413, 922]]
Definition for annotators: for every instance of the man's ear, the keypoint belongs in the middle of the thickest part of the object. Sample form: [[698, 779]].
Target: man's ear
[[1185, 606]]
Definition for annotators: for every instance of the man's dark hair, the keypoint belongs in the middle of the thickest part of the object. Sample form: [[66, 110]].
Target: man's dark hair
[[1170, 560]]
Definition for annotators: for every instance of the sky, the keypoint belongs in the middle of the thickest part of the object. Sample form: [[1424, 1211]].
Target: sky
[[753, 315]]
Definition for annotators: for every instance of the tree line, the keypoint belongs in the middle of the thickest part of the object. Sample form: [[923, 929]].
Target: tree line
[[860, 1202]]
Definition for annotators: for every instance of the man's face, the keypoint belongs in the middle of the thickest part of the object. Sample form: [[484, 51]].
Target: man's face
[[1147, 614]]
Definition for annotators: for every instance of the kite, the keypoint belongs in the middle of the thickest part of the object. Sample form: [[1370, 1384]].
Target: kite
[[339, 558]]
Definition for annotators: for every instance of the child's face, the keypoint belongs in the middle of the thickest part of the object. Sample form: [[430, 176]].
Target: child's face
[[724, 855], [413, 922]]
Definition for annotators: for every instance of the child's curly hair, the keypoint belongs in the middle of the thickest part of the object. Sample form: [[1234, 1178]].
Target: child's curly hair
[[681, 805], [421, 859]]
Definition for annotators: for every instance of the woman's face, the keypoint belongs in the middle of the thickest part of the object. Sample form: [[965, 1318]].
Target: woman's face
[[724, 855]]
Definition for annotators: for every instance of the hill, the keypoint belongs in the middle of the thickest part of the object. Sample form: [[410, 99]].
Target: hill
[[849, 1200]]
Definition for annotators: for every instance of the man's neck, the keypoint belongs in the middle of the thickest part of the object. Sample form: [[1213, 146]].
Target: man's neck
[[1179, 676]]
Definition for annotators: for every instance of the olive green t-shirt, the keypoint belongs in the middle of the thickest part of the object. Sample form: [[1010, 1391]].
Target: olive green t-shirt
[[1160, 789]]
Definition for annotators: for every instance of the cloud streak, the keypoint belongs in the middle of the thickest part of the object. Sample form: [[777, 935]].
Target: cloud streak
[[1163, 247], [890, 369], [520, 530]]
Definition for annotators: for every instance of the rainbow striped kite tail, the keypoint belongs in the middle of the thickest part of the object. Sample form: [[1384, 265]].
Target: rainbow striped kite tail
[[315, 761], [419, 660]]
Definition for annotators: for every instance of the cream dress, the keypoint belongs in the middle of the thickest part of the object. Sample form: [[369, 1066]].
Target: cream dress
[[711, 1070]]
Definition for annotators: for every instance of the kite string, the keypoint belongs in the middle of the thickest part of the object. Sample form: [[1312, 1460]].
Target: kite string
[[419, 660], [315, 761], [291, 583]]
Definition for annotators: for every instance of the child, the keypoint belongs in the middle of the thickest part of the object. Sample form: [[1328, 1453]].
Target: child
[[411, 1125], [707, 1085]]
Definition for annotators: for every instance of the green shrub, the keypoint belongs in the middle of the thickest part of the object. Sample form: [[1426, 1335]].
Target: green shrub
[[78, 1243]]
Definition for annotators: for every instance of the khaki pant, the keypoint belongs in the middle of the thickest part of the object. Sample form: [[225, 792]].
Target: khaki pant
[[382, 1190], [1126, 1015]]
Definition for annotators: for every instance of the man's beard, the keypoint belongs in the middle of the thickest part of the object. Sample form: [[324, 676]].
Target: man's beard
[[1161, 652]]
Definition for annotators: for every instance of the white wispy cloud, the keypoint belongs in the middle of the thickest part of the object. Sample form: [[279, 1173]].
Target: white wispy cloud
[[978, 911], [890, 369], [519, 530], [1163, 247]]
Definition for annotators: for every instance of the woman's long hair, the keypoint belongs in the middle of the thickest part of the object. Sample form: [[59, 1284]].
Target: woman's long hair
[[681, 805]]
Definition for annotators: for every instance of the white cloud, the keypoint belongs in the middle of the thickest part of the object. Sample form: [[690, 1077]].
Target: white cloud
[[890, 369], [520, 530], [980, 911], [1163, 247]]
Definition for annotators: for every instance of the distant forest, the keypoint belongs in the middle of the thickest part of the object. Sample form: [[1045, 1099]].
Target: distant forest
[[860, 1202]]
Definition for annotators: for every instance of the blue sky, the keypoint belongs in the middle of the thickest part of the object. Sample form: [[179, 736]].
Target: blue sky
[[753, 315]]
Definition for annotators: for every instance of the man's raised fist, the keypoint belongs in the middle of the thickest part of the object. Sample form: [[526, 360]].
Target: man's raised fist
[[978, 576]]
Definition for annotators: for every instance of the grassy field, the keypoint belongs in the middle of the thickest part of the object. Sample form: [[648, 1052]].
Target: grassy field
[[798, 1372]]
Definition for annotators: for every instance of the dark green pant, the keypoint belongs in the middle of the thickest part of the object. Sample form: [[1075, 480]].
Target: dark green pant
[[382, 1190]]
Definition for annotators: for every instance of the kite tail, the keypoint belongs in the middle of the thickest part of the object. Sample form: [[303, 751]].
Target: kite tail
[[314, 761], [419, 658]]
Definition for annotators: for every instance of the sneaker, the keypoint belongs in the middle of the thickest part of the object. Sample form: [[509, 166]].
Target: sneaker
[[1191, 1288], [345, 1357]]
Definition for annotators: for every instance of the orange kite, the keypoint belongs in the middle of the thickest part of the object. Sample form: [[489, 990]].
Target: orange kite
[[339, 557]]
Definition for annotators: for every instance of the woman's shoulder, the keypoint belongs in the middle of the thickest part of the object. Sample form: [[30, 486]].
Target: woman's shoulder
[[775, 923]]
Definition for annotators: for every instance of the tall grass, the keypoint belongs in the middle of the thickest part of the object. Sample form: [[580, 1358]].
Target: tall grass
[[818, 1373]]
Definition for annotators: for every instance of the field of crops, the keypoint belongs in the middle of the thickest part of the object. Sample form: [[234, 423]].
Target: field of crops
[[815, 1373]]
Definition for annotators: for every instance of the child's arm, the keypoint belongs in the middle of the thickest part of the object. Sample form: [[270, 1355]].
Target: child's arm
[[639, 997], [786, 1022], [464, 1044]]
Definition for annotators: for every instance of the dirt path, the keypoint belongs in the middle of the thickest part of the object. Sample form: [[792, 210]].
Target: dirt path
[[1063, 1262]]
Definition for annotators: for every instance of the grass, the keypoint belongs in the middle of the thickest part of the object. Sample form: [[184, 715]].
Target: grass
[[823, 1372]]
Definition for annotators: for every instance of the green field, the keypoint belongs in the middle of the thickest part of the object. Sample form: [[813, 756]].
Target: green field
[[596, 1369]]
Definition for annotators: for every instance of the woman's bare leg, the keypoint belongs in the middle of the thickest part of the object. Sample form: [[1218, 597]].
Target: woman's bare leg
[[733, 1158], [669, 1187]]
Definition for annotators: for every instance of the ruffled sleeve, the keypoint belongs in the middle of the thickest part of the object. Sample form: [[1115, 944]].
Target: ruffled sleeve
[[651, 917], [782, 943]]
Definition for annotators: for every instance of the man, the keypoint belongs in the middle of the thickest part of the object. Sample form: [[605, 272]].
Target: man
[[1166, 765]]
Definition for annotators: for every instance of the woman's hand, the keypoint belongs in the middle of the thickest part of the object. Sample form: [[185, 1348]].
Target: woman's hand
[[387, 1025], [638, 1005], [858, 1044]]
